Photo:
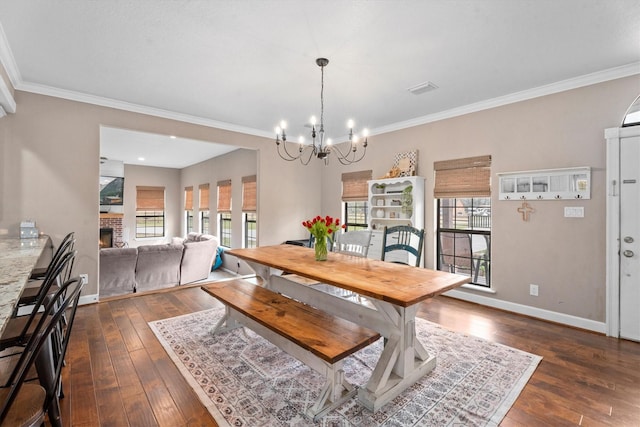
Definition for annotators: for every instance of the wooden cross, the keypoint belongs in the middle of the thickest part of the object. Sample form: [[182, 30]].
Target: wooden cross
[[526, 210]]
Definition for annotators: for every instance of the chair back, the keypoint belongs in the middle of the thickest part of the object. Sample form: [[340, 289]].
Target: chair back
[[51, 278], [402, 238], [455, 251], [51, 317], [65, 247], [353, 243]]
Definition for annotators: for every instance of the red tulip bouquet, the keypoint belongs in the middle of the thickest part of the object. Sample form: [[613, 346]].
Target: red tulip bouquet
[[321, 229]]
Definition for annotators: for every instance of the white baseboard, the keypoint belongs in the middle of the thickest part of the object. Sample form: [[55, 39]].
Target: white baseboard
[[88, 299], [552, 316]]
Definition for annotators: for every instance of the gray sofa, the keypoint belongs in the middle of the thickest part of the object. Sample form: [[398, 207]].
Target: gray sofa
[[127, 270]]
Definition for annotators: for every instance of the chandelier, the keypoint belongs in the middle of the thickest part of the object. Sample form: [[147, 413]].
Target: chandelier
[[320, 147]]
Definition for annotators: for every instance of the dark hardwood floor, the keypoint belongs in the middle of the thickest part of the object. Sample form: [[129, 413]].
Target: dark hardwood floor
[[118, 374]]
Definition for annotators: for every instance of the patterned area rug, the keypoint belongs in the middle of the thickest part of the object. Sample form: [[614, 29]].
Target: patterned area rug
[[244, 380]]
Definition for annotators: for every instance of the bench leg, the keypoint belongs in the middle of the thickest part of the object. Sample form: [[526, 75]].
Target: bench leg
[[335, 392], [225, 324]]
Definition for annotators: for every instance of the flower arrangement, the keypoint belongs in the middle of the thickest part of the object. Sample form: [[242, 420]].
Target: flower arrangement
[[321, 229]]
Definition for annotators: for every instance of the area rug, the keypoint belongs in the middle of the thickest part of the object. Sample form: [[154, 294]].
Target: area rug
[[244, 380]]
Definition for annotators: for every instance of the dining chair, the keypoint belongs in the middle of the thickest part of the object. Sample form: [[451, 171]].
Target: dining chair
[[353, 243], [22, 403], [409, 240], [457, 255]]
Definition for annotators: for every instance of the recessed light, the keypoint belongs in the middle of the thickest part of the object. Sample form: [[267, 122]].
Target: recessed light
[[141, 159], [172, 136]]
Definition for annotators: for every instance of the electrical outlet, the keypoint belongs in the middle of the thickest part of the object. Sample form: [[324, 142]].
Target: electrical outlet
[[84, 278], [533, 290]]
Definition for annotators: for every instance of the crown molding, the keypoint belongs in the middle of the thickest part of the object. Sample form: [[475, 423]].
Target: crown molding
[[7, 103], [561, 86], [136, 108], [7, 60]]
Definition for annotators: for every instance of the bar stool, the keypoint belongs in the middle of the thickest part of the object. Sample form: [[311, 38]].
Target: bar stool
[[41, 272], [32, 291], [24, 404], [19, 329]]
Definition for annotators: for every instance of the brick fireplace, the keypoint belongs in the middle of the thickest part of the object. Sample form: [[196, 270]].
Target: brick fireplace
[[114, 222]]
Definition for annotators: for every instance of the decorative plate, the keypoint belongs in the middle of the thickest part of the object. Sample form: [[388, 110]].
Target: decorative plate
[[407, 162]]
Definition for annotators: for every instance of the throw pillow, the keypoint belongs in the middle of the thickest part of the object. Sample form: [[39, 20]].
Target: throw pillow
[[218, 261]]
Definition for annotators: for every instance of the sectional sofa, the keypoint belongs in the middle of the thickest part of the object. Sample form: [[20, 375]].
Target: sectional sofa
[[149, 267]]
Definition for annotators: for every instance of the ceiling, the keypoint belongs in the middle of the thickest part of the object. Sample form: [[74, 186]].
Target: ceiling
[[245, 65]]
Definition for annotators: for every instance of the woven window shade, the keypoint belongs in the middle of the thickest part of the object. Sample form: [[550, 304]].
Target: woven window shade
[[204, 197], [468, 177], [188, 198], [354, 185], [224, 196], [149, 198], [249, 195]]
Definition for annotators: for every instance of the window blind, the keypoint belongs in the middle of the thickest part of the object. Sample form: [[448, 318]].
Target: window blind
[[203, 203], [354, 185], [188, 198], [149, 198], [468, 177], [224, 196], [249, 194]]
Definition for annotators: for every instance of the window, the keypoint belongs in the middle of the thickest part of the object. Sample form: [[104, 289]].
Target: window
[[249, 217], [188, 208], [203, 206], [463, 190], [355, 216], [205, 222], [149, 212], [225, 228], [224, 212], [250, 236], [354, 199]]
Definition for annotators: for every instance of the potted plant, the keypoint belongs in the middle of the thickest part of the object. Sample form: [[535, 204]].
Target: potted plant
[[407, 201], [378, 188]]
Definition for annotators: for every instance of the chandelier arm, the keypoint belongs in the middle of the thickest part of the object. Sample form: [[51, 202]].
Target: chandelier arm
[[305, 163], [289, 156], [347, 161], [340, 153]]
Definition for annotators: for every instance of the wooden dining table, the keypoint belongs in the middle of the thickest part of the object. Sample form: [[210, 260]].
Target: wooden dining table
[[393, 293]]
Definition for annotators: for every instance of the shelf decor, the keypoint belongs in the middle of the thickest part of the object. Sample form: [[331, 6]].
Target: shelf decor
[[393, 201], [322, 229], [547, 184]]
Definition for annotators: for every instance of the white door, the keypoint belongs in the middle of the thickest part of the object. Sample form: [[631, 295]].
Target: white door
[[630, 238]]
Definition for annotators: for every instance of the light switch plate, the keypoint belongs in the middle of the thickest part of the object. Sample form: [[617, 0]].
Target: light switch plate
[[574, 212]]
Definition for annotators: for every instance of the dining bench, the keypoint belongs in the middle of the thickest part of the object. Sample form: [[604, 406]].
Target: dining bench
[[320, 340]]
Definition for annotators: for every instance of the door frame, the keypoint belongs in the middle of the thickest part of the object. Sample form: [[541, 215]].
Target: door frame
[[613, 137]]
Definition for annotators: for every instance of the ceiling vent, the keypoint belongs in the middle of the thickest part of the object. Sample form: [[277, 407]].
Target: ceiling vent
[[422, 88]]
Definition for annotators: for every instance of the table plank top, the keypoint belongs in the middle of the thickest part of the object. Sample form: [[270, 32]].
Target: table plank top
[[397, 284], [17, 259]]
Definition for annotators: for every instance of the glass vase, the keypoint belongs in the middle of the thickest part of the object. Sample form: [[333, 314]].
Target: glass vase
[[321, 248]]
